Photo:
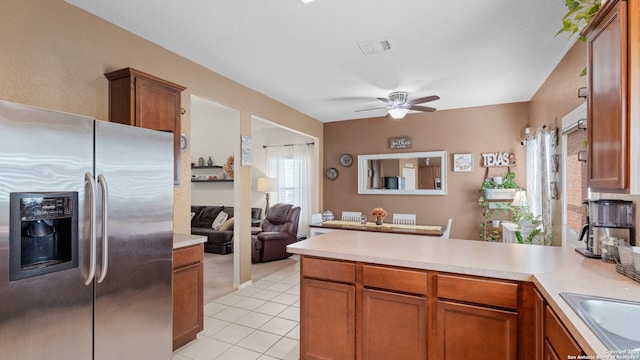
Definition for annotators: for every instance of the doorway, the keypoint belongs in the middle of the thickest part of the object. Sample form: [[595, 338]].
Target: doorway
[[295, 170], [574, 177]]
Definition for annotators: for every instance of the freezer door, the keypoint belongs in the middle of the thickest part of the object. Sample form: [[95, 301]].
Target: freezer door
[[133, 311], [49, 316]]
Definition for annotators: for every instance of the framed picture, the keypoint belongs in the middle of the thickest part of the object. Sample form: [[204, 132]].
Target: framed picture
[[462, 162]]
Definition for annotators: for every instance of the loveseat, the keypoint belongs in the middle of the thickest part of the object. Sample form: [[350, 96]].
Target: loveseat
[[219, 237]]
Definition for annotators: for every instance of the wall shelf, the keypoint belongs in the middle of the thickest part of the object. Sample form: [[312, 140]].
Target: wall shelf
[[225, 180], [207, 167]]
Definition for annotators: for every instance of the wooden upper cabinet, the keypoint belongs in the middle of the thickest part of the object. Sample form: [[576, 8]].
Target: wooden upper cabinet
[[608, 102], [143, 100]]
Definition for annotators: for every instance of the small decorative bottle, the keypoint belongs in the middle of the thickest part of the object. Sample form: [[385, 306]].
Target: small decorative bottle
[[201, 161], [209, 162]]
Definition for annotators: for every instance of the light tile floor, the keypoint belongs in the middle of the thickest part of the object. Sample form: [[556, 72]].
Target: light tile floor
[[259, 322]]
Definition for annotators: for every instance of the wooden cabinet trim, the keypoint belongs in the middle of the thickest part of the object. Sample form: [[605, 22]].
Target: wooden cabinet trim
[[477, 290], [396, 279], [331, 270], [187, 255]]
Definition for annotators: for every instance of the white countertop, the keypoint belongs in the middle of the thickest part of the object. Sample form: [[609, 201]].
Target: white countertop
[[184, 240], [552, 269]]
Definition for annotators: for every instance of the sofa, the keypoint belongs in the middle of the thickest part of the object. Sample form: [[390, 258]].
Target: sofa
[[219, 235], [279, 229]]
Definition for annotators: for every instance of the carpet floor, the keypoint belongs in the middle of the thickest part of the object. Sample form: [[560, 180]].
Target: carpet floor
[[218, 273]]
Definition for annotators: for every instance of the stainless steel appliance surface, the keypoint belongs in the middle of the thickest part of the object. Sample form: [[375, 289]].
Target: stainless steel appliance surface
[[609, 222], [109, 297]]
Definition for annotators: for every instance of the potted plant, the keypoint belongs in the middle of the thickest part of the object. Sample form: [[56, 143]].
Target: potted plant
[[499, 188]]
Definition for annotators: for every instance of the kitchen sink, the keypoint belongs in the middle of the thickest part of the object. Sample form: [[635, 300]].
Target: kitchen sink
[[615, 322]]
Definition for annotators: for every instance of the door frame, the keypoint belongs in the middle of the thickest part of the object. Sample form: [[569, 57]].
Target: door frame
[[569, 124]]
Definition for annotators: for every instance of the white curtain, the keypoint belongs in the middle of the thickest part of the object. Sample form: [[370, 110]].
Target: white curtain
[[290, 165], [542, 170]]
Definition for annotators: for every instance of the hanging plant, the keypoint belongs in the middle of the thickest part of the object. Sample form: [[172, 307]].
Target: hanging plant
[[579, 15]]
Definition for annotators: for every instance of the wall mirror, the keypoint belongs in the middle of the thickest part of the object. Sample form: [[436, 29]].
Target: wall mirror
[[417, 173]]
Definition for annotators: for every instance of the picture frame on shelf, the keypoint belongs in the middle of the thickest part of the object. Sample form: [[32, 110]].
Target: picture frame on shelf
[[463, 162]]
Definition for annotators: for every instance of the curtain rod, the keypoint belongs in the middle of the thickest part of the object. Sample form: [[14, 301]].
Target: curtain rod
[[308, 144]]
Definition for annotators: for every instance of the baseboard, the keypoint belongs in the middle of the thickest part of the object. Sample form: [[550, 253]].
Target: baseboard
[[243, 285]]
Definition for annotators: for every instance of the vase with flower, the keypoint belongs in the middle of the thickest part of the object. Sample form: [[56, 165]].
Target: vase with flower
[[379, 214]]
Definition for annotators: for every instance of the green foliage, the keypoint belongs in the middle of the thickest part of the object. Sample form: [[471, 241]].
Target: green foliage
[[507, 183], [529, 239], [523, 213], [579, 15]]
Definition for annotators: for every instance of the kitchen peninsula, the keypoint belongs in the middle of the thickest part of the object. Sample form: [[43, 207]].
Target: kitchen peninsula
[[426, 297]]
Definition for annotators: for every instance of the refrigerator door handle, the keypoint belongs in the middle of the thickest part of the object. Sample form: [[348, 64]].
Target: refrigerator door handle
[[92, 225], [105, 237]]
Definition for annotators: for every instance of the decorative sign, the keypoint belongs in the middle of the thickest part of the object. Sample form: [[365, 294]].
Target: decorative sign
[[403, 142], [498, 159], [462, 162], [245, 150]]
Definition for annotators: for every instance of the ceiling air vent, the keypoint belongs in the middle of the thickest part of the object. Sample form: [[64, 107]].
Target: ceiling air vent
[[375, 46]]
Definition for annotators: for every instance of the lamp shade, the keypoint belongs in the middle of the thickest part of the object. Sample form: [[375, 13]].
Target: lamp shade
[[266, 184], [398, 113], [520, 199]]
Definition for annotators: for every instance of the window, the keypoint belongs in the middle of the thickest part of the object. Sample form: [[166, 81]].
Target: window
[[289, 186]]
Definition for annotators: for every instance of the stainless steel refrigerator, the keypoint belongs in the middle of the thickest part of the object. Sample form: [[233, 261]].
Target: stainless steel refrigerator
[[86, 221]]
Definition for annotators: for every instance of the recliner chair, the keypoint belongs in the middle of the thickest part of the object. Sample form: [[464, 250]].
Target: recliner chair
[[279, 229]]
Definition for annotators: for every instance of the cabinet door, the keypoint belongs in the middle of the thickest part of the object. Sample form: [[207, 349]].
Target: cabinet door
[[394, 326], [187, 304], [472, 332], [538, 310], [327, 320], [158, 108], [608, 129], [558, 337], [549, 353], [426, 177]]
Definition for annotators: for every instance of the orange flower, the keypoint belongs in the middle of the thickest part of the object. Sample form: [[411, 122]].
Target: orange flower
[[379, 212]]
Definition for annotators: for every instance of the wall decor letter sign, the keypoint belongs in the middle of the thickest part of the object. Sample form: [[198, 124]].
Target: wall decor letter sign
[[498, 159], [403, 142]]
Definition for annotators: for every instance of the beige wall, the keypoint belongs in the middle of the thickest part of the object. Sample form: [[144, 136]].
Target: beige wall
[[477, 130], [54, 55]]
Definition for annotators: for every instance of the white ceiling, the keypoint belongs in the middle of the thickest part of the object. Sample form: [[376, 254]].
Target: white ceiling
[[469, 52]]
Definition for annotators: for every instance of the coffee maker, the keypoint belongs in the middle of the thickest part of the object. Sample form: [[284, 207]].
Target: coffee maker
[[610, 222]]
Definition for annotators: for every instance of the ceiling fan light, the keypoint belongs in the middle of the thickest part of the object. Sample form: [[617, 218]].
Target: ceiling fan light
[[398, 113]]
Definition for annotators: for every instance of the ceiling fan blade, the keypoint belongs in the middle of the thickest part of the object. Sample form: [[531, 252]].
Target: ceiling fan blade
[[385, 100], [423, 100], [378, 108], [422, 108]]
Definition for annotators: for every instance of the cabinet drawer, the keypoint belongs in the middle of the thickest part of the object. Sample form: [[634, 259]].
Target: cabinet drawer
[[404, 280], [187, 255], [332, 270], [559, 338], [479, 291]]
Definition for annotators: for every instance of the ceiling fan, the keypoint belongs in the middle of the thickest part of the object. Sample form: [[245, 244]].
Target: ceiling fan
[[398, 104]]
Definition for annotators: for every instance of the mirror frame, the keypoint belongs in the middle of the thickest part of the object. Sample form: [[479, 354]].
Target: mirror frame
[[362, 173]]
